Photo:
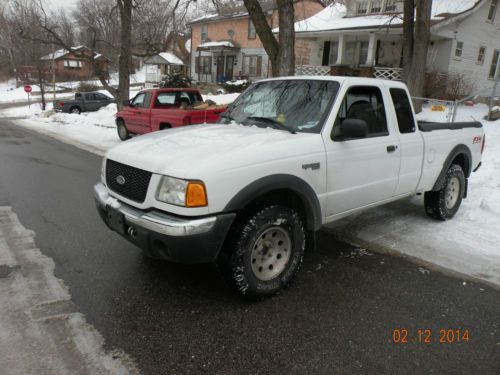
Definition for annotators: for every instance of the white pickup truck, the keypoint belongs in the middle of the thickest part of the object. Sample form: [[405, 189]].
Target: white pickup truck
[[288, 156]]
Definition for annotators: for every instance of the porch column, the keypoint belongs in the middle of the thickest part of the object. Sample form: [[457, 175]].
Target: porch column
[[341, 50], [372, 45]]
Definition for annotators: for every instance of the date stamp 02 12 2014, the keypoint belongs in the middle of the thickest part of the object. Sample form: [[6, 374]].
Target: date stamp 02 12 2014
[[404, 336]]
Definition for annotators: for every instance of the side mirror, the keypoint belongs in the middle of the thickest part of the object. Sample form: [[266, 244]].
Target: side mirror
[[350, 129], [127, 103]]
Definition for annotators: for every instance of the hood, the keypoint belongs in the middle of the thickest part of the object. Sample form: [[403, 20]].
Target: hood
[[193, 151]]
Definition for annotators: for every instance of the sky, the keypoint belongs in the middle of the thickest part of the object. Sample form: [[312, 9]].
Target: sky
[[68, 4]]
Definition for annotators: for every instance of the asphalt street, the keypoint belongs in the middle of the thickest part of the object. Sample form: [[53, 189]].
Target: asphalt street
[[338, 316]]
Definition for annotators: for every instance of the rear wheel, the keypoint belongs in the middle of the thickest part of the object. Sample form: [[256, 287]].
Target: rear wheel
[[75, 110], [123, 133], [264, 251], [444, 203], [165, 126]]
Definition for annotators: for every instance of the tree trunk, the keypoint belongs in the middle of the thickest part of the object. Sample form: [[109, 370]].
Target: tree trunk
[[408, 27], [422, 37], [265, 33], [42, 87], [123, 92], [286, 59]]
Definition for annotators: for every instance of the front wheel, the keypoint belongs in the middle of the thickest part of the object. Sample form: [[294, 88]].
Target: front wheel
[[123, 133], [264, 251], [444, 203]]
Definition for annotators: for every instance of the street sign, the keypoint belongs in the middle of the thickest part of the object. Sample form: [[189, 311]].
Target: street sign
[[28, 89]]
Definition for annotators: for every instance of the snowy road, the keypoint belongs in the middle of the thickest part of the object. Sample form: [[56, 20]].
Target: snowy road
[[337, 317]]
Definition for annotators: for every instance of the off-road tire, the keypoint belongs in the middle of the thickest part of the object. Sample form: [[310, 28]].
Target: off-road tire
[[444, 203], [75, 110], [237, 260], [123, 133]]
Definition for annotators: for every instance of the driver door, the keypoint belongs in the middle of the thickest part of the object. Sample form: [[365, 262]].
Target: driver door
[[362, 171]]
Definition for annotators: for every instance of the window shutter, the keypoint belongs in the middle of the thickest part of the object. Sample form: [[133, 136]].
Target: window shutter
[[209, 65], [196, 64], [326, 54], [259, 66]]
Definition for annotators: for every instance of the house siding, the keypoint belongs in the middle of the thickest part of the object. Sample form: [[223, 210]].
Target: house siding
[[474, 31], [218, 30]]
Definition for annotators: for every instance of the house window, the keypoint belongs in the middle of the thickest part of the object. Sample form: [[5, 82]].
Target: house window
[[459, 49], [363, 8], [390, 6], [204, 32], [376, 6], [252, 33], [334, 53], [72, 64], [252, 66], [494, 62], [203, 64], [493, 10], [480, 56]]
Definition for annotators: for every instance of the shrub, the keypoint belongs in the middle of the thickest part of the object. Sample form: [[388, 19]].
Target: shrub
[[87, 87], [236, 86], [175, 80]]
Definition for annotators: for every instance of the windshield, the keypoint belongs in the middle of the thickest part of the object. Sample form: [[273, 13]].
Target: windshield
[[293, 105]]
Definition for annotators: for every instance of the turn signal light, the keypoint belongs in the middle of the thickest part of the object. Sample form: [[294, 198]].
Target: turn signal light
[[196, 194]]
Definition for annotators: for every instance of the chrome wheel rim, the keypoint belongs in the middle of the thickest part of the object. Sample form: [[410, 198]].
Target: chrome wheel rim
[[271, 253], [75, 110], [452, 193]]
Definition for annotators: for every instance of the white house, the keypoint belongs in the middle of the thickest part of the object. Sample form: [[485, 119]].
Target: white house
[[364, 38]]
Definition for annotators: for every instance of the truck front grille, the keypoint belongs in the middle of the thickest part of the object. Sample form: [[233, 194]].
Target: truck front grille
[[130, 182]]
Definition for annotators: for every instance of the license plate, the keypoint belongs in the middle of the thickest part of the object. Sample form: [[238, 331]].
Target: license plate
[[115, 220]]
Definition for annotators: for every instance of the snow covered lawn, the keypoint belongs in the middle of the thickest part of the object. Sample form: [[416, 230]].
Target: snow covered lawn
[[469, 244], [92, 131]]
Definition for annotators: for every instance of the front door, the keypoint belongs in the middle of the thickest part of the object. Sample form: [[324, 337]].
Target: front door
[[220, 68], [229, 67], [366, 170]]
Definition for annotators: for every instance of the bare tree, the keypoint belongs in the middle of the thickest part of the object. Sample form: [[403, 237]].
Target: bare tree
[[281, 53], [416, 39]]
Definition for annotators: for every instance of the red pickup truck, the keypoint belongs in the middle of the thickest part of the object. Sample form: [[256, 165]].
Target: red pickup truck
[[158, 109]]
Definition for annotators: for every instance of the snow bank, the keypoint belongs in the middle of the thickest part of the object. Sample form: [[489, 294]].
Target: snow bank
[[222, 98]]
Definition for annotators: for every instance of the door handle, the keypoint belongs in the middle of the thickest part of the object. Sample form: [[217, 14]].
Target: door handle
[[392, 148]]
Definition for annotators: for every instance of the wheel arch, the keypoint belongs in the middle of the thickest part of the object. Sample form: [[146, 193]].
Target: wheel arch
[[285, 189], [460, 155]]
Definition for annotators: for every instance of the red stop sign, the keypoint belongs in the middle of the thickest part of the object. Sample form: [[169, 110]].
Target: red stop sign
[[27, 88]]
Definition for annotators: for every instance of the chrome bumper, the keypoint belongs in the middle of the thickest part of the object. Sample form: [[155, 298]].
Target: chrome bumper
[[154, 221]]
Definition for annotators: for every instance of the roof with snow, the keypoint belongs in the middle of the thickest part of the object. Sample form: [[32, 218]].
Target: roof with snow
[[164, 58], [333, 17], [63, 52]]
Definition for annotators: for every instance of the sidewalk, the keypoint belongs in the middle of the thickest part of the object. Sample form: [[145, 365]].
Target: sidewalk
[[41, 331]]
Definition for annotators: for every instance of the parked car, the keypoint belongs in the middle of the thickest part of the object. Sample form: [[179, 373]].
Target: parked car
[[159, 109], [290, 155], [83, 102]]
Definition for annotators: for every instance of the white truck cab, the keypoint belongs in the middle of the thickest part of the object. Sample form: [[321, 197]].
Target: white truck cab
[[289, 155]]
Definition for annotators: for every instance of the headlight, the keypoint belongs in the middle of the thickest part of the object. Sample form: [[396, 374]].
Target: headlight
[[184, 193]]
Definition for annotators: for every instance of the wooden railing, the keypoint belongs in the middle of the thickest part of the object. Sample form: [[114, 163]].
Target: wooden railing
[[392, 74], [312, 70]]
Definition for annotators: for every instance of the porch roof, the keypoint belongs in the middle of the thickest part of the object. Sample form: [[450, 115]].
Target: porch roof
[[217, 46], [334, 17], [166, 58]]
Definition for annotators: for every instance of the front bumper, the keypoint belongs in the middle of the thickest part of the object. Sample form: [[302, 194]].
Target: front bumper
[[164, 236]]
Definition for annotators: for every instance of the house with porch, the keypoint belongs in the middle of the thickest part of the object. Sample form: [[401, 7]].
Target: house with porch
[[76, 64], [162, 63], [225, 45], [365, 38]]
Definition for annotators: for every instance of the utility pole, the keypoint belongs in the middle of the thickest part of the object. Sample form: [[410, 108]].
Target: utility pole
[[495, 87]]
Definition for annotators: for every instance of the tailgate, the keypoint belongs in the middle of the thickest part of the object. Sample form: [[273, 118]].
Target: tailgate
[[200, 116]]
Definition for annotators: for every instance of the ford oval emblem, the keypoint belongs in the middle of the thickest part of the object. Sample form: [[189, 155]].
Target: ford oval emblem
[[120, 180]]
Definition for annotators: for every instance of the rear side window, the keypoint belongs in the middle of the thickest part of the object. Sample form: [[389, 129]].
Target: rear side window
[[404, 113], [365, 103], [89, 97], [164, 98]]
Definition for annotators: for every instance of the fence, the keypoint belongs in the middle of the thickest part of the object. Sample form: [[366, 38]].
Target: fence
[[392, 74], [312, 70]]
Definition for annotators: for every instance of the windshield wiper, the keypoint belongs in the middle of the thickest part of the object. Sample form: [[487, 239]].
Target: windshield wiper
[[269, 121]]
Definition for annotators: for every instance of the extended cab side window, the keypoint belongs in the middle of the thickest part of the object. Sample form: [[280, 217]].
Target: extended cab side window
[[89, 97], [165, 98], [404, 113], [365, 103]]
